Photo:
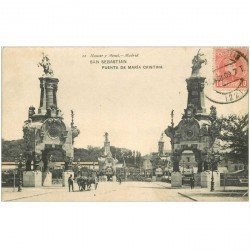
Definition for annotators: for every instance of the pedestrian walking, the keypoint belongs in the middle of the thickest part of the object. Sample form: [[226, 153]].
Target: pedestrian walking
[[96, 181], [71, 183], [192, 182]]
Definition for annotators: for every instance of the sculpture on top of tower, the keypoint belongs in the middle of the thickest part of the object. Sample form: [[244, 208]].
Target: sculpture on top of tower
[[197, 63], [45, 63]]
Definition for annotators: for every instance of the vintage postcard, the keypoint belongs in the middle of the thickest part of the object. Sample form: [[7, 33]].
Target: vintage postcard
[[125, 124]]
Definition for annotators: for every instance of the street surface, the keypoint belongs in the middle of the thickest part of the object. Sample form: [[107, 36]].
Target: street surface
[[126, 191]]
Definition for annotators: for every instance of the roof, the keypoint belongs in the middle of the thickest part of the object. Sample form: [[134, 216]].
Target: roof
[[120, 165], [9, 163], [187, 152]]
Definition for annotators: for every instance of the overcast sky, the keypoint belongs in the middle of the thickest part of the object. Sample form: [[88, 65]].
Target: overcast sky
[[133, 106]]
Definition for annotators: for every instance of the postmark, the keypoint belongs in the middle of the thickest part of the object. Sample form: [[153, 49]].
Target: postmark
[[230, 75]]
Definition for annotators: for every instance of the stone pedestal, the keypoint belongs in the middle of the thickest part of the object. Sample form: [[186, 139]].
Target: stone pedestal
[[65, 177], [47, 179], [197, 179], [176, 179], [32, 178], [153, 178], [158, 178], [205, 178], [114, 178], [216, 180]]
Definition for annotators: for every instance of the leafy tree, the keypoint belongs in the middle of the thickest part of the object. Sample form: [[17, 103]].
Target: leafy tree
[[12, 149], [234, 137], [138, 159]]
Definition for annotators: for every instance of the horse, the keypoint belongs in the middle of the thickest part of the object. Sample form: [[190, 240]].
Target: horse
[[82, 182], [92, 180]]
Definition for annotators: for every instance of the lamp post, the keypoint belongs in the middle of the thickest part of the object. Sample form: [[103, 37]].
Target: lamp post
[[183, 166], [20, 161], [14, 180], [212, 180], [172, 138], [213, 164], [124, 166]]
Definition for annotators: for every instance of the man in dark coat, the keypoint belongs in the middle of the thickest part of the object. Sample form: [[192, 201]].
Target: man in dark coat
[[192, 182], [71, 183]]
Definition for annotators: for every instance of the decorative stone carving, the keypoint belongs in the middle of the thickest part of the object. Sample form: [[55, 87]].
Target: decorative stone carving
[[31, 111], [75, 132], [189, 130], [213, 113]]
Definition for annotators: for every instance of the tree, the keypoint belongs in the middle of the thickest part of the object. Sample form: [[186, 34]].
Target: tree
[[234, 137], [155, 160], [138, 159], [12, 149]]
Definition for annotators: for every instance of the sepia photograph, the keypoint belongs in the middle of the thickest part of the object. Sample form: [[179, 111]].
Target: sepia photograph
[[125, 124]]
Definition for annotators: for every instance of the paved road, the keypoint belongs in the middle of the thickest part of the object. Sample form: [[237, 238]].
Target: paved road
[[113, 191], [106, 191]]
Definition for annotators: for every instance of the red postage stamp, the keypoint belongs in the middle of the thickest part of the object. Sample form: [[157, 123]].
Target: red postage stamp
[[230, 75], [231, 68]]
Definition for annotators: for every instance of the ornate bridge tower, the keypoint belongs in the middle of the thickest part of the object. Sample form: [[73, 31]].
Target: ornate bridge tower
[[45, 131], [196, 130], [107, 151], [106, 161]]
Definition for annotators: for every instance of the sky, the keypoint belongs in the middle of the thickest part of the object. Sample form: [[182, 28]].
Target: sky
[[132, 105]]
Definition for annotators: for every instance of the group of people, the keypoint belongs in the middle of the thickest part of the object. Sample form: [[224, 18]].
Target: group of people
[[85, 182]]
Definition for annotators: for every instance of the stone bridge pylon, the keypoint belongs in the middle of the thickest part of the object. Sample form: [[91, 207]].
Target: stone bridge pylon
[[45, 131], [195, 132]]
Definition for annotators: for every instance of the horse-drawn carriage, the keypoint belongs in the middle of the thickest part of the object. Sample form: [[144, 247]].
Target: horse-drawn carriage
[[85, 182], [85, 178]]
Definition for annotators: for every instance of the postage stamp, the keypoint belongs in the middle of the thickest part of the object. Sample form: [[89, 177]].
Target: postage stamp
[[230, 72]]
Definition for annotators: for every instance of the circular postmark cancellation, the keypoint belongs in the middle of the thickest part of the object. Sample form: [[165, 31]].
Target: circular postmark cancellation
[[230, 74]]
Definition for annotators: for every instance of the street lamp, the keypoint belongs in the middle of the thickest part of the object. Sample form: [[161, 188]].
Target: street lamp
[[212, 180], [211, 160], [20, 161], [213, 164], [14, 180], [124, 166], [183, 166]]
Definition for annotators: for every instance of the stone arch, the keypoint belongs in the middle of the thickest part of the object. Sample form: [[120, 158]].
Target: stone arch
[[199, 158], [46, 154]]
